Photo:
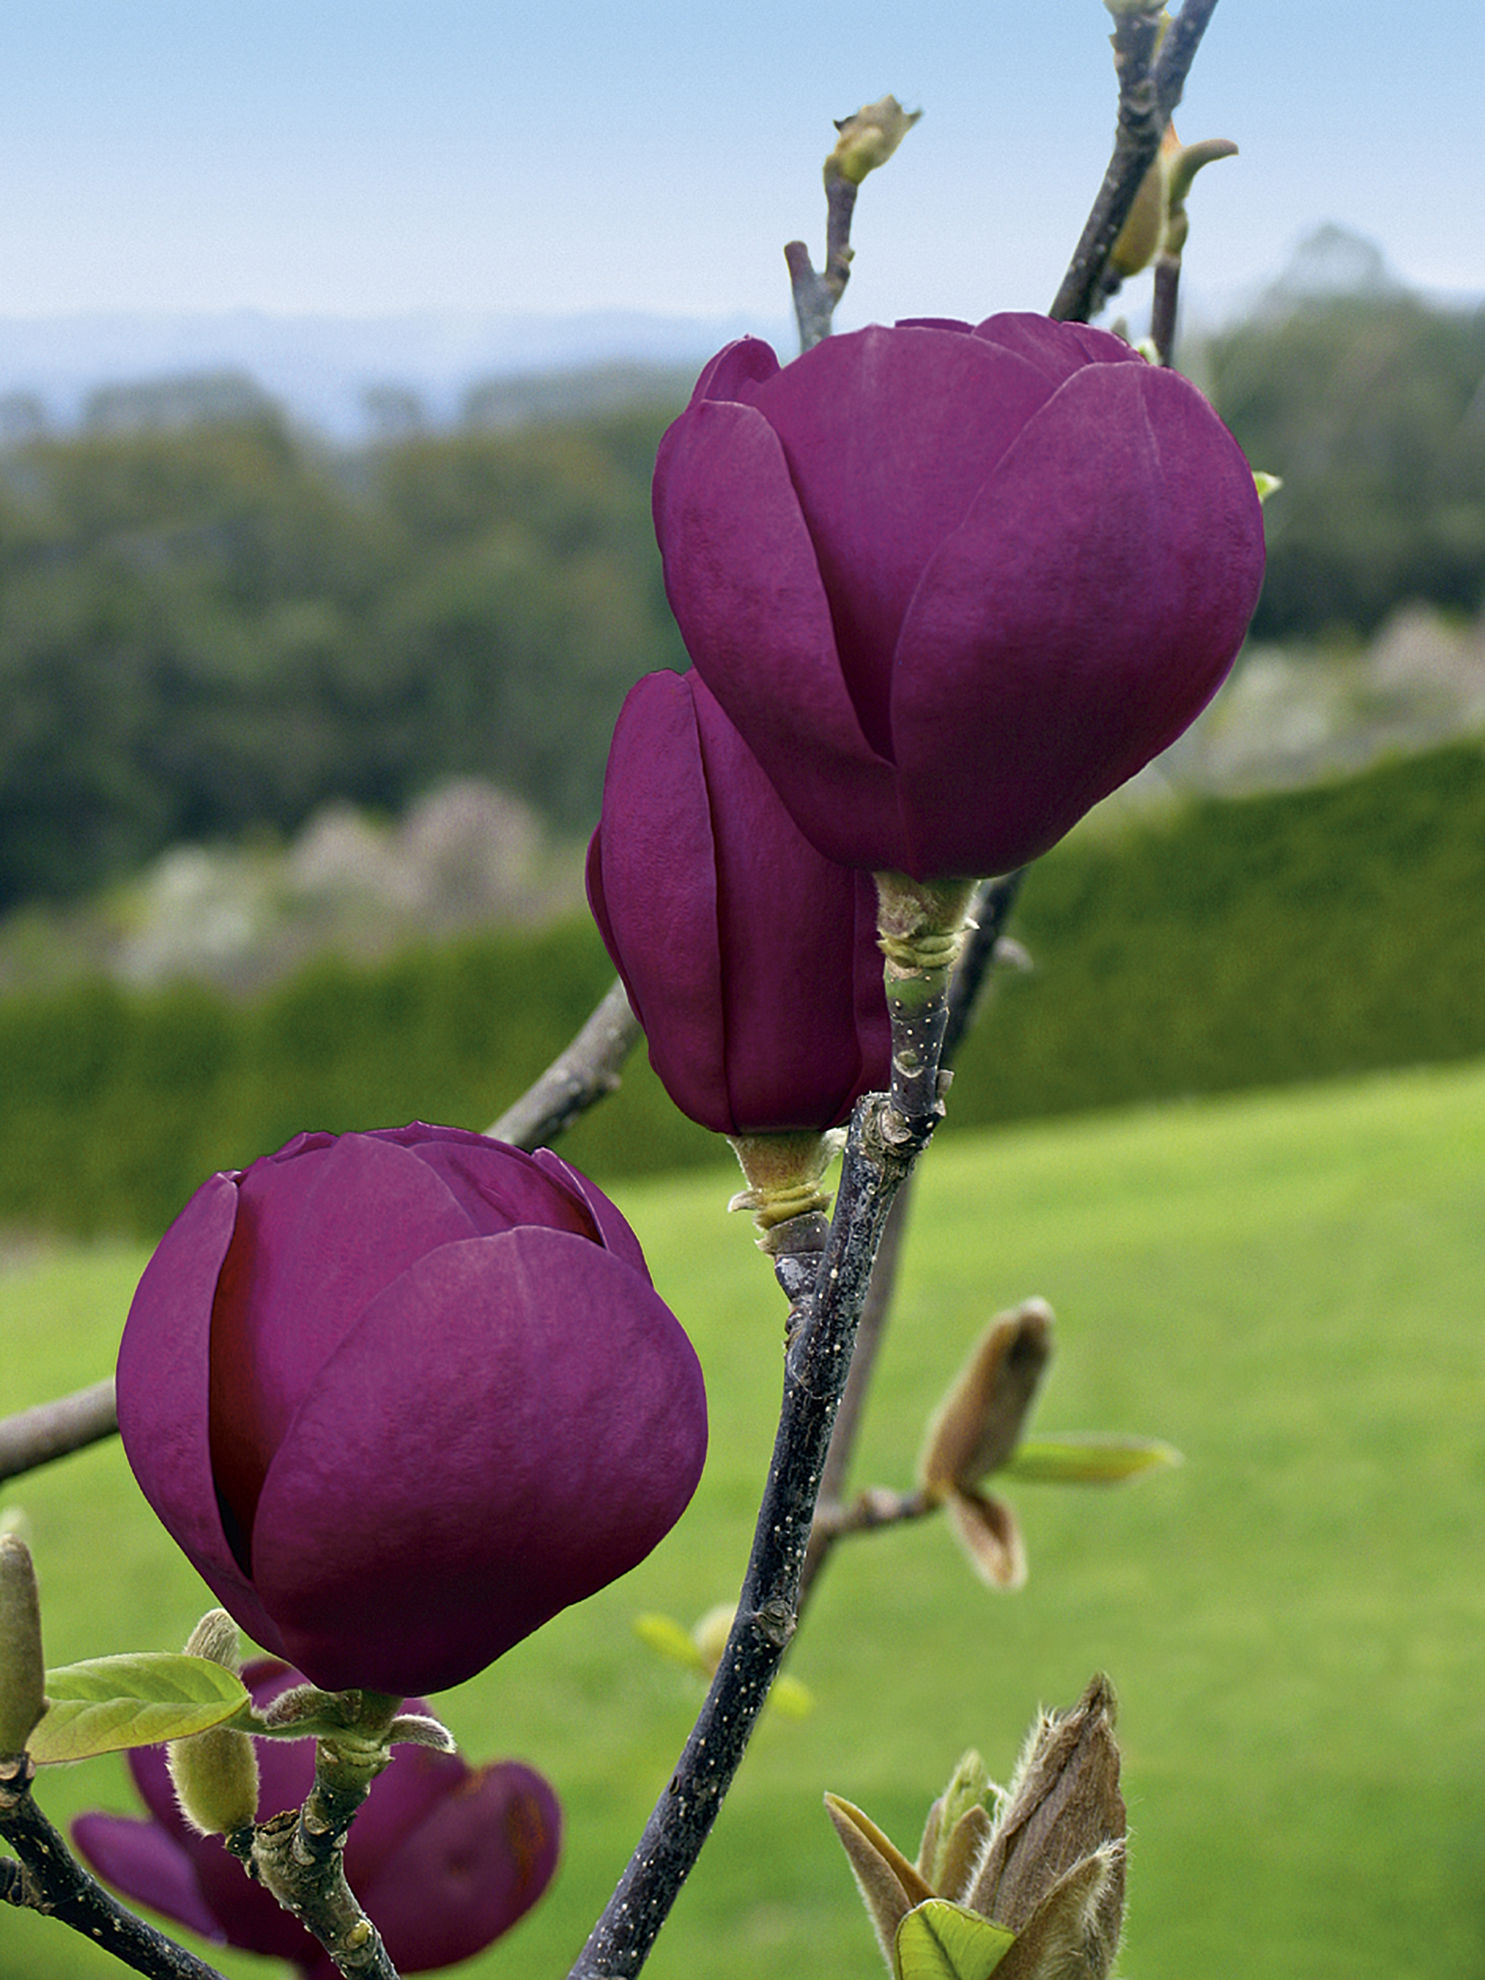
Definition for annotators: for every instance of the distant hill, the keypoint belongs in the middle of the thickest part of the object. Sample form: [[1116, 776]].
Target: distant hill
[[341, 373]]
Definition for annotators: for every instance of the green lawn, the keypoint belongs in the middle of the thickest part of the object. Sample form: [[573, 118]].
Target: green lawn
[[1288, 1287]]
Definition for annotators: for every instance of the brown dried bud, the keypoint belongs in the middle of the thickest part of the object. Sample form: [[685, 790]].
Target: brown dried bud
[[979, 1422]]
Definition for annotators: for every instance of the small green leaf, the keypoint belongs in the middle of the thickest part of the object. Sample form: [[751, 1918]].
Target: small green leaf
[[1088, 1460], [665, 1635], [113, 1702], [790, 1699], [942, 1941]]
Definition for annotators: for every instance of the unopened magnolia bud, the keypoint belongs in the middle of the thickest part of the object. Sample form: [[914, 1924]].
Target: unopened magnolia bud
[[215, 1776], [978, 1424], [1041, 1896], [1143, 232], [1062, 1807], [215, 1773], [22, 1666], [869, 139], [957, 1830], [216, 1638]]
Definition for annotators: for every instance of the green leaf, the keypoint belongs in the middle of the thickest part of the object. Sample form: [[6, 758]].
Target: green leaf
[[791, 1699], [113, 1702], [1088, 1460], [665, 1635], [943, 1941]]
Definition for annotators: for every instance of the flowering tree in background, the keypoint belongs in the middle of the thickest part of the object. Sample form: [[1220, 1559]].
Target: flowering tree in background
[[401, 1397]]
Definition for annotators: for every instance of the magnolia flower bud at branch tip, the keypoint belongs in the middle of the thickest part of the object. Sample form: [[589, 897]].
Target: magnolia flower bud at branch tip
[[1034, 1892], [869, 139], [22, 1665]]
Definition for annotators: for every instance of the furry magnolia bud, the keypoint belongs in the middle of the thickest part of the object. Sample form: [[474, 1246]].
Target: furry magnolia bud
[[1035, 1892], [22, 1666], [215, 1773]]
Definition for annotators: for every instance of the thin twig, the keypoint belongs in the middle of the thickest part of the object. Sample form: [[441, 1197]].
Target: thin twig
[[823, 1325], [49, 1879], [576, 1080], [1165, 299], [816, 295], [53, 1429], [1178, 51], [873, 1509], [1148, 94]]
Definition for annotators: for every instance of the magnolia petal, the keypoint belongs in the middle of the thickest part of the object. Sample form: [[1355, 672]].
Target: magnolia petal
[[463, 1873], [758, 627], [1058, 355], [164, 1386], [608, 1220], [888, 435], [653, 875], [1081, 616], [576, 1444]]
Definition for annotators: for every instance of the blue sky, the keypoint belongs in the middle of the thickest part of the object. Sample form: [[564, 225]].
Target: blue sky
[[361, 157]]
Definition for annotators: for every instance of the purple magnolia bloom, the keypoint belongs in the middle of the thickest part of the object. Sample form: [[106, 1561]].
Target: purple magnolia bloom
[[402, 1396], [954, 585], [444, 1857], [750, 960]]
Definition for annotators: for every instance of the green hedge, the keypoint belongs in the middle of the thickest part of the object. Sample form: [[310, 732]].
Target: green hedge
[[1247, 942]]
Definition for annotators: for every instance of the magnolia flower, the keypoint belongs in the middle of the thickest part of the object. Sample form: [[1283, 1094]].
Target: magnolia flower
[[402, 1396], [955, 585], [750, 960]]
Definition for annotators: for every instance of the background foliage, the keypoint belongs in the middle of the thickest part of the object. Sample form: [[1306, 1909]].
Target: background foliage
[[1239, 942], [212, 622]]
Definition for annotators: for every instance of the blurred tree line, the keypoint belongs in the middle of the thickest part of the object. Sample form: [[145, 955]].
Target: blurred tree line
[[211, 622], [1371, 406]]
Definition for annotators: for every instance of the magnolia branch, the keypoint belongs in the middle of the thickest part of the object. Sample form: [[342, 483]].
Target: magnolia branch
[[576, 1080], [53, 1429], [990, 911], [1150, 87], [49, 1879], [816, 295], [822, 1328]]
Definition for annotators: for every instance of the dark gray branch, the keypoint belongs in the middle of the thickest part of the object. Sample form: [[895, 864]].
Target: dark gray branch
[[583, 1075], [1149, 89], [53, 1429], [49, 1879], [990, 911], [822, 1332]]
